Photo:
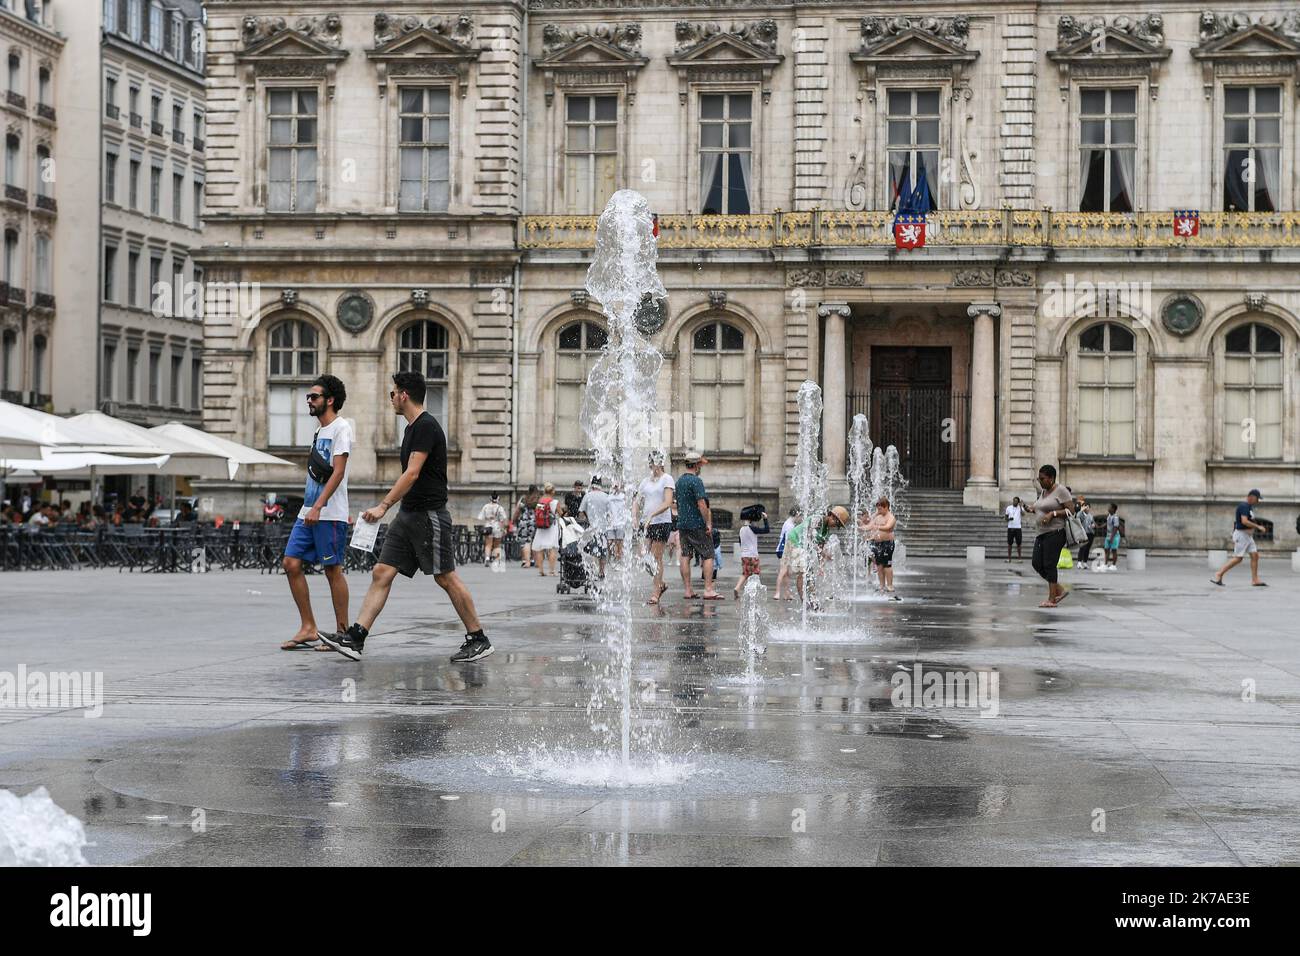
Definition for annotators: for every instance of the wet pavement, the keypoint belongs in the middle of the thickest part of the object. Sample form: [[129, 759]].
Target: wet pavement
[[1152, 719]]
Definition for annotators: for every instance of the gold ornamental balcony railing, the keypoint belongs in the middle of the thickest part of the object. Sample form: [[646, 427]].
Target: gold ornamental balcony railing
[[980, 227]]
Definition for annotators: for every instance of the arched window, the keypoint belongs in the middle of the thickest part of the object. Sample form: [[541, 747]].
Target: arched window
[[38, 364], [425, 347], [1252, 425], [577, 351], [44, 282], [44, 170], [1107, 391], [13, 161], [11, 258], [718, 387], [293, 363], [8, 373]]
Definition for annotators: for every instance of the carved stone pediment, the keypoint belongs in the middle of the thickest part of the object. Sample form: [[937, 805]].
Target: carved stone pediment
[[308, 49], [406, 46], [913, 46], [590, 55], [743, 52], [1090, 48], [1235, 45]]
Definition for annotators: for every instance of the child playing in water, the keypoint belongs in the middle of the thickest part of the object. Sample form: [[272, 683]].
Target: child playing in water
[[749, 533]]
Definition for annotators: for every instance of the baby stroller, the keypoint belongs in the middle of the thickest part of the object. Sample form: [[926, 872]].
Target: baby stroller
[[573, 574]]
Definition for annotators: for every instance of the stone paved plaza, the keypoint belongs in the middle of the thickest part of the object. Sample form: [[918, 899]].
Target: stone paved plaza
[[1121, 735]]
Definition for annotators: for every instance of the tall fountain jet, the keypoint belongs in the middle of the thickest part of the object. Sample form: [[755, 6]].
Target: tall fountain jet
[[620, 412], [810, 483], [859, 479]]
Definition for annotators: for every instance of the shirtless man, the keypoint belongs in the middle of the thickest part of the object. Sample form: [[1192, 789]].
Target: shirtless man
[[882, 543]]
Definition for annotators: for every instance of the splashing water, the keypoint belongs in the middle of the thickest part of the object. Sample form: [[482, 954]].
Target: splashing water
[[754, 627], [35, 831], [618, 417], [809, 481], [860, 449]]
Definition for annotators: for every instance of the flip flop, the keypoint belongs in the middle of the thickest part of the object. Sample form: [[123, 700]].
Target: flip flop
[[312, 644], [1259, 584], [1216, 581], [1061, 598], [712, 597]]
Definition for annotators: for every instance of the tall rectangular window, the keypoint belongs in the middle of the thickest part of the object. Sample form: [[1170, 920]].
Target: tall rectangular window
[[178, 196], [726, 153], [133, 277], [155, 377], [913, 120], [1107, 412], [196, 383], [110, 97], [134, 185], [110, 271], [292, 151], [1252, 145], [1107, 150], [174, 383], [155, 276], [133, 375], [198, 204], [155, 25], [108, 372], [590, 152], [44, 281], [135, 18], [155, 190], [426, 131], [1254, 392], [110, 177]]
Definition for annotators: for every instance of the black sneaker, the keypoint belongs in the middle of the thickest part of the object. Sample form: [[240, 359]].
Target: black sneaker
[[349, 643], [474, 649]]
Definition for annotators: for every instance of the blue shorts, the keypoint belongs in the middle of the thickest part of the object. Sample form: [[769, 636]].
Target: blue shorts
[[1112, 542], [321, 543]]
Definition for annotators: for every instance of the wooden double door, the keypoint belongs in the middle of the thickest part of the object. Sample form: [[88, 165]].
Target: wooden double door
[[913, 407]]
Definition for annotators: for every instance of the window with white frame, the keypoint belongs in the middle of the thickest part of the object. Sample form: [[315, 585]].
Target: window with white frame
[[135, 19], [11, 258], [109, 371], [718, 386], [155, 376], [133, 277], [196, 382], [155, 25], [45, 170], [1107, 379], [292, 366], [155, 190], [913, 134], [1252, 146], [590, 152], [15, 73], [1107, 150], [425, 347], [39, 348], [1253, 392], [8, 373], [425, 149], [133, 374], [726, 153], [292, 151], [13, 161], [578, 349], [110, 177], [110, 273], [44, 270]]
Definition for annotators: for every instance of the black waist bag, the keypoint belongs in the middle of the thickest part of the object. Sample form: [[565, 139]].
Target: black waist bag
[[319, 468]]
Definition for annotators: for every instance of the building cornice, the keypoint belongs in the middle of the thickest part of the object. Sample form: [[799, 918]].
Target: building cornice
[[155, 60], [19, 27]]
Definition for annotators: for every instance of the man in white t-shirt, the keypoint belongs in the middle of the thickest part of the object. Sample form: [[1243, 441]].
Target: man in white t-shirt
[[493, 518], [654, 509], [320, 535], [1015, 511], [594, 510]]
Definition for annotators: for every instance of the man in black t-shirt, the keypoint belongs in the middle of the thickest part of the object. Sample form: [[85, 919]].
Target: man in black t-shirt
[[1244, 527], [421, 534]]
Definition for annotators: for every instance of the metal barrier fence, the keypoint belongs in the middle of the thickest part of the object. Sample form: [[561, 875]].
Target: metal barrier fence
[[188, 549]]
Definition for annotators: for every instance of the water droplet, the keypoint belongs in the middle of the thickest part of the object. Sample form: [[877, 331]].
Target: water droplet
[[848, 750], [337, 803], [448, 796], [935, 736], [156, 817]]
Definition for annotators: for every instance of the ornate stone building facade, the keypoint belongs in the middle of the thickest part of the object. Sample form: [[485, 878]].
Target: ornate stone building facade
[[1107, 280]]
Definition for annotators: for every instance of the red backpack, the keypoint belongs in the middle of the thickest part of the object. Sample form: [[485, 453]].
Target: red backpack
[[542, 516]]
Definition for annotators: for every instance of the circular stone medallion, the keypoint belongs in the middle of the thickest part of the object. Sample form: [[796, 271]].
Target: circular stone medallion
[[355, 311], [1182, 314], [651, 315]]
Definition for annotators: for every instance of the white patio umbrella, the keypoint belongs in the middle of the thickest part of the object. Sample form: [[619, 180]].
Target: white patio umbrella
[[237, 456], [82, 465], [64, 434]]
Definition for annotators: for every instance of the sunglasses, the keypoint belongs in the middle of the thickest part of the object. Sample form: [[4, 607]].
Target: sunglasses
[[313, 396]]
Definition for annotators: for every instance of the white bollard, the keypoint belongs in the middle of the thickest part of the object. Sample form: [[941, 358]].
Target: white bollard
[[1137, 559], [974, 554], [1218, 559], [1295, 560]]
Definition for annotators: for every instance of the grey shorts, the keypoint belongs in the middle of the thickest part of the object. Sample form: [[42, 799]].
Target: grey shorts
[[697, 543], [1243, 543], [420, 539]]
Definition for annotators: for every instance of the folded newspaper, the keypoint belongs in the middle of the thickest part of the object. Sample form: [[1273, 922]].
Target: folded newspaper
[[364, 534]]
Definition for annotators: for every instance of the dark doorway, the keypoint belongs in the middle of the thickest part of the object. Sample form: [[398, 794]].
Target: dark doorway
[[912, 406]]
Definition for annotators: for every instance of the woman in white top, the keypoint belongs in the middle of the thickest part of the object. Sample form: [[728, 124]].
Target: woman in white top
[[546, 540], [493, 519], [654, 509]]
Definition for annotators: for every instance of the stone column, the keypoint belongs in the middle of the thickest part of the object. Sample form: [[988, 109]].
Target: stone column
[[835, 395], [981, 487]]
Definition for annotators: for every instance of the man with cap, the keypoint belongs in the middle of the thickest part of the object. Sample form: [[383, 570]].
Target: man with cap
[[695, 525], [1243, 540], [796, 542]]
